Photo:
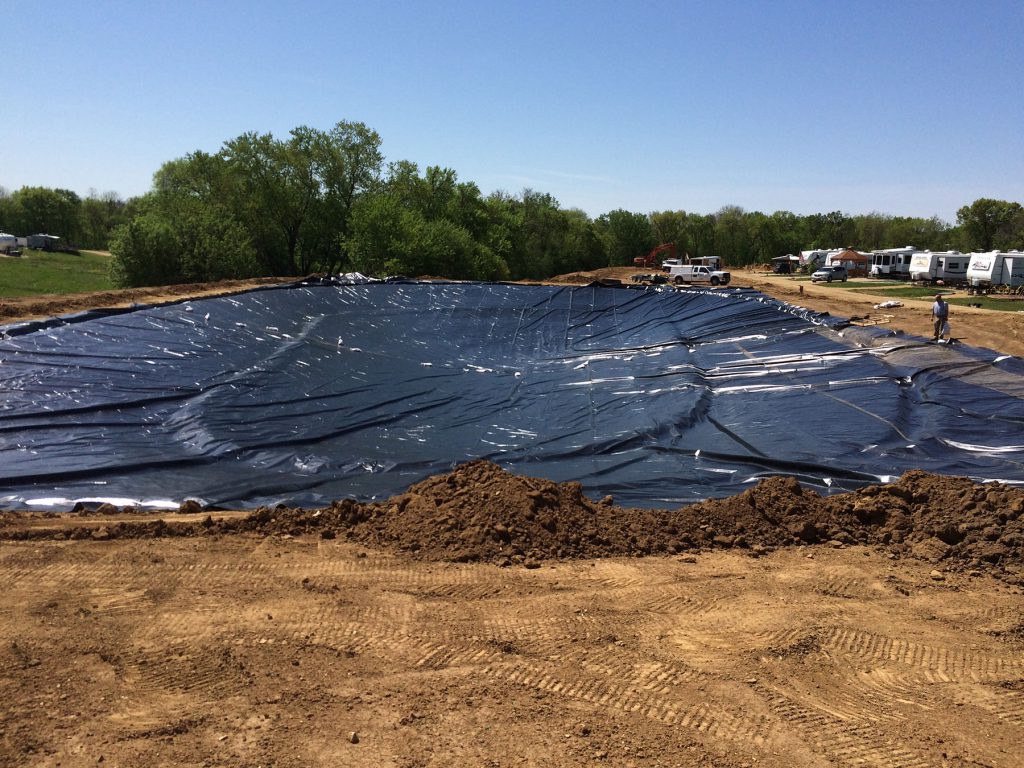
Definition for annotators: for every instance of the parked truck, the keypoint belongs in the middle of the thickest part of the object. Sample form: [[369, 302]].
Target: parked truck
[[698, 273]]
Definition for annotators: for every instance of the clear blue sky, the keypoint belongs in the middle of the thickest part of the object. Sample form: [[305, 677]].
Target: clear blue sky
[[899, 106]]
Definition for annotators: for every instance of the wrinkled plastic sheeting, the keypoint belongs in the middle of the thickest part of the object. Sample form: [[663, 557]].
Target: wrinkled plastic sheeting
[[308, 393]]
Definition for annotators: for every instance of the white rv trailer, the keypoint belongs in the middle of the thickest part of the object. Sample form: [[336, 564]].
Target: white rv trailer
[[892, 262], [939, 266], [8, 243], [991, 268], [812, 259]]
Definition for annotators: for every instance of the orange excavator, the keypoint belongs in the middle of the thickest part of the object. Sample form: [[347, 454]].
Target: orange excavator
[[668, 250]]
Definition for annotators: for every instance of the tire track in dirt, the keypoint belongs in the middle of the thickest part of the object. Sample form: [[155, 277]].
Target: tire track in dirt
[[704, 716], [947, 663], [848, 743]]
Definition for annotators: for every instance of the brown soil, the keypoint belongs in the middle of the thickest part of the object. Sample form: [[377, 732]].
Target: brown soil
[[483, 618], [18, 309]]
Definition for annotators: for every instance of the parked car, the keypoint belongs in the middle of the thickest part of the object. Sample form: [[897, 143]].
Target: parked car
[[828, 274]]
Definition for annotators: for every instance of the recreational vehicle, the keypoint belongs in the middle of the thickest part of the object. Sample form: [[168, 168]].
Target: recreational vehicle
[[811, 260], [992, 268], [939, 266], [8, 243], [892, 262], [43, 242]]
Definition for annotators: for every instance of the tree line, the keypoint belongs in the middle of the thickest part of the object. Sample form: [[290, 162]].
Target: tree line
[[326, 201], [80, 222]]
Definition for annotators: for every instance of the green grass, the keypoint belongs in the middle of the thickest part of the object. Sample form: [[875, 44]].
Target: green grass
[[911, 291], [873, 285], [38, 272], [987, 302]]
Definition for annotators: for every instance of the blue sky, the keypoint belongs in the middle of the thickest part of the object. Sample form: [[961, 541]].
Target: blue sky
[[903, 107]]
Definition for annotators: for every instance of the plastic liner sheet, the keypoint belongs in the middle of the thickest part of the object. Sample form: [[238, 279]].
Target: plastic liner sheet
[[308, 393]]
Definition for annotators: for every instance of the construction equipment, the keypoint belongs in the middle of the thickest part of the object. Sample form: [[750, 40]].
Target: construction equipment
[[651, 259]]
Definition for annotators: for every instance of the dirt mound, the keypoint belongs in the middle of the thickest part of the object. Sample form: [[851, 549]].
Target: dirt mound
[[481, 513]]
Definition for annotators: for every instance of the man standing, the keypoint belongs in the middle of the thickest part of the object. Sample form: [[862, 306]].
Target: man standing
[[940, 315]]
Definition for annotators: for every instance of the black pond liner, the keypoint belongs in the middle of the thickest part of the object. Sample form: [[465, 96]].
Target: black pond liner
[[310, 392]]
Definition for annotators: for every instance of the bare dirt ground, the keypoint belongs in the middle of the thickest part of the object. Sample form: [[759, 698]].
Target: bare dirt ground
[[18, 309], [483, 619]]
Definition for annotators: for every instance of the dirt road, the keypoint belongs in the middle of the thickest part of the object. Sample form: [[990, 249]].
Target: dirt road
[[1002, 331]]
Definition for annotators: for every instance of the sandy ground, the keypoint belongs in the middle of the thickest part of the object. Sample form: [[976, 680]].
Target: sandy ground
[[279, 647], [296, 651]]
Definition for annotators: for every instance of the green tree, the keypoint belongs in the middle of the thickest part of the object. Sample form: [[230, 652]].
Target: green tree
[[41, 210], [672, 227], [790, 230], [988, 224], [98, 217], [300, 192], [731, 237], [926, 234], [627, 234], [146, 253]]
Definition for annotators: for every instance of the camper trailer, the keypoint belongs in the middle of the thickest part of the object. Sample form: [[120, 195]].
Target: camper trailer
[[8, 243], [992, 268], [811, 260], [892, 262], [939, 267], [43, 242]]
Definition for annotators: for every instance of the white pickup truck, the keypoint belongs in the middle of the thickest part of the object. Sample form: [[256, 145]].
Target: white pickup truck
[[697, 273]]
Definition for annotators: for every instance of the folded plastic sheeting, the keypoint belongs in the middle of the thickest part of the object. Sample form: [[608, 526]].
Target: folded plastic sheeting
[[309, 393]]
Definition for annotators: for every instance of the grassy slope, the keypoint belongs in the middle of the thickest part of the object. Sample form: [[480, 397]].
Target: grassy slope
[[37, 272]]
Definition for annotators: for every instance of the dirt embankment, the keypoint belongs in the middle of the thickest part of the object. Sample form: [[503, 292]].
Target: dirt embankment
[[481, 513], [24, 308]]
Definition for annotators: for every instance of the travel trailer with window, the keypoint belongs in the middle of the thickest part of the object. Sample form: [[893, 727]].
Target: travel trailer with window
[[892, 262], [992, 268], [939, 266], [8, 243]]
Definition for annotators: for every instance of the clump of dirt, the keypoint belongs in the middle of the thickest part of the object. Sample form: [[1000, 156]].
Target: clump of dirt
[[949, 519], [482, 513]]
